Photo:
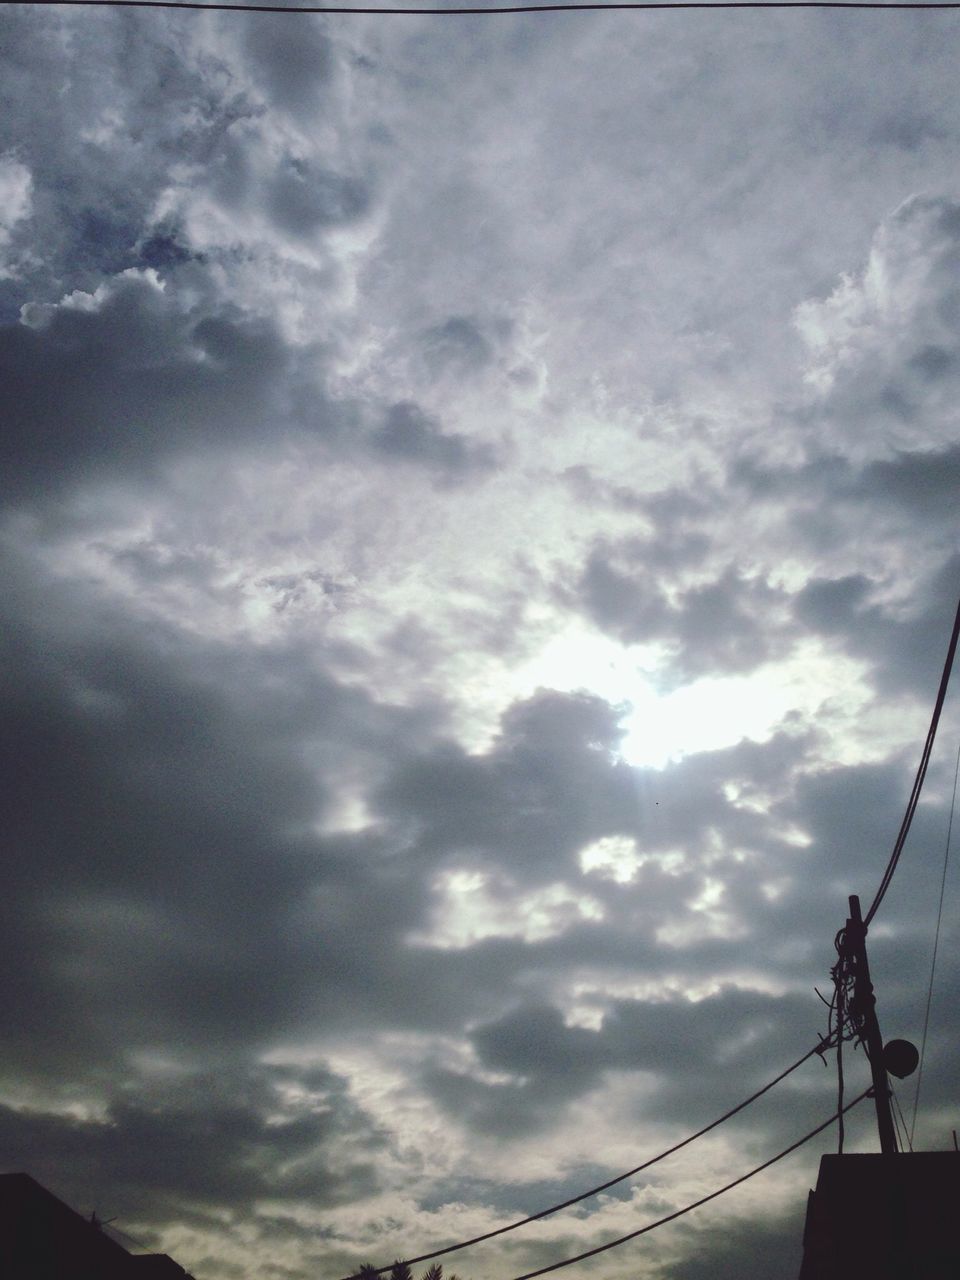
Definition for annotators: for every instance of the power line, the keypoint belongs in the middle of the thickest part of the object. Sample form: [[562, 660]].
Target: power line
[[585, 1195], [483, 10], [936, 943], [678, 1213], [906, 1143], [921, 772]]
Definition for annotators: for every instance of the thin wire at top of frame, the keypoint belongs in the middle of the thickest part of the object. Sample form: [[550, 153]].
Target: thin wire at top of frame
[[482, 10]]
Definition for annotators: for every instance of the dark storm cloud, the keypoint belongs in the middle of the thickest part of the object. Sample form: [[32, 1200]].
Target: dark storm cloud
[[173, 889], [830, 604], [676, 1043], [923, 483], [174, 896], [411, 435], [768, 1248], [724, 625], [162, 249], [115, 385], [914, 482], [546, 788], [735, 623], [906, 652], [204, 1143], [167, 884]]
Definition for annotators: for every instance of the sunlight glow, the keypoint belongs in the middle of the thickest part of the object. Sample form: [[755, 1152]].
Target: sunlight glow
[[614, 857], [471, 907], [707, 714]]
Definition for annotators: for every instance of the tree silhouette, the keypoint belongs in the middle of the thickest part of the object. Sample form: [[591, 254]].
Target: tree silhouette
[[401, 1271]]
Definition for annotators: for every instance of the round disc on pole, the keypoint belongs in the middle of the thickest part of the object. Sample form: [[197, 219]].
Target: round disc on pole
[[900, 1058]]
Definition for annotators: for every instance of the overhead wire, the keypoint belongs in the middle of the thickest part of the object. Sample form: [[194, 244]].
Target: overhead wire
[[678, 1213], [921, 773], [936, 944], [482, 10], [611, 1182], [904, 1139]]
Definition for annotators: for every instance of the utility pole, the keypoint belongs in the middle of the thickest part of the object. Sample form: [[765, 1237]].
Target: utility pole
[[864, 1007]]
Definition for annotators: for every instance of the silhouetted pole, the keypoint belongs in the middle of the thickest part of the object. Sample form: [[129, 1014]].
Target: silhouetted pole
[[865, 1006]]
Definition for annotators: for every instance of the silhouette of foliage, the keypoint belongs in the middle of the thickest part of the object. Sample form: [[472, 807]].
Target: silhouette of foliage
[[401, 1271]]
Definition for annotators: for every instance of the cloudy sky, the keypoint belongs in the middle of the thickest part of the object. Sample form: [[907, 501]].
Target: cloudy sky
[[479, 542]]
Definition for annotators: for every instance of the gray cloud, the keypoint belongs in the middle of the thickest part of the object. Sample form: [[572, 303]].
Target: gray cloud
[[116, 385], [907, 652], [96, 181], [676, 1043], [458, 345], [216, 1141], [547, 787], [294, 61], [720, 626], [925, 482], [411, 435], [173, 889], [303, 199]]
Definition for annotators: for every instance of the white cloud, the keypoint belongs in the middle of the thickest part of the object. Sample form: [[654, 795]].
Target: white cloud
[[883, 344]]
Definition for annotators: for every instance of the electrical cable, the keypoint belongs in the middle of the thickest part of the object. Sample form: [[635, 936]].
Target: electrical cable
[[905, 1142], [936, 943], [483, 10], [611, 1182], [678, 1213], [921, 772]]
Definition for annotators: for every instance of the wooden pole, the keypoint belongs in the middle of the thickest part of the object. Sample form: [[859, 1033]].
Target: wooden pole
[[865, 1007]]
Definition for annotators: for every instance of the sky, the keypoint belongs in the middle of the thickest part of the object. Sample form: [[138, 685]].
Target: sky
[[478, 531]]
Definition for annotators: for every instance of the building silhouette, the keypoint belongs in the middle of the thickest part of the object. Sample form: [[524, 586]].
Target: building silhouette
[[884, 1217], [41, 1238]]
